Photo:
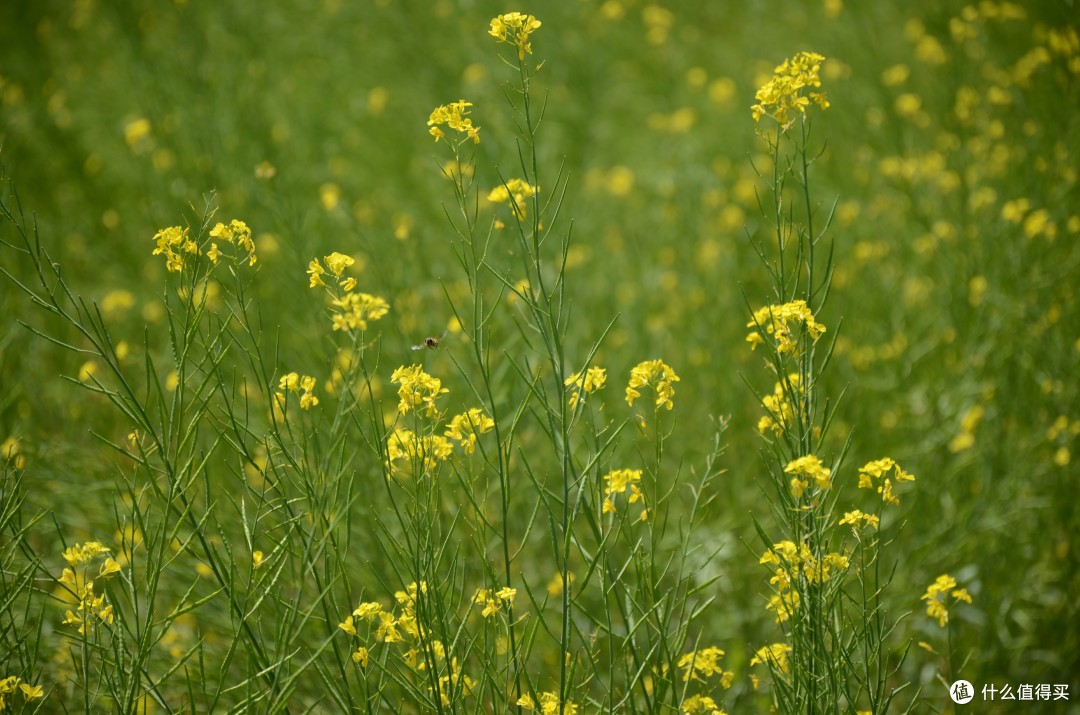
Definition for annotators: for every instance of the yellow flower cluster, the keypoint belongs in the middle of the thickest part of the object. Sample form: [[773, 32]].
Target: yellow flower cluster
[[453, 115], [777, 322], [550, 704], [351, 311], [775, 656], [517, 189], [10, 452], [935, 597], [781, 413], [337, 263], [878, 470], [619, 481], [704, 663], [174, 243], [385, 627], [464, 427], [514, 28], [12, 684], [79, 583], [855, 518], [793, 562], [702, 704], [235, 233], [417, 389], [657, 374], [786, 94], [588, 382], [305, 386], [422, 451], [809, 467], [493, 600]]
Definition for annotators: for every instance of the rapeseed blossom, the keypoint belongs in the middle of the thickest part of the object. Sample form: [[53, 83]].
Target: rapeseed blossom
[[704, 663], [878, 470], [453, 115], [353, 311], [493, 600], [944, 585], [174, 243], [588, 382], [777, 321], [464, 427], [79, 581], [775, 655], [417, 389], [701, 704], [811, 468], [235, 232], [657, 374], [855, 518], [426, 451], [514, 28], [781, 413], [302, 385], [350, 310], [14, 684], [516, 189], [620, 481], [787, 93]]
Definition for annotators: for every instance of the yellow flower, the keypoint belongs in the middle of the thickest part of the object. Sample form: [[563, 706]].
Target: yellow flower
[[170, 243], [347, 626], [702, 704], [361, 657], [514, 28], [453, 115], [619, 480], [550, 704], [387, 630], [368, 611], [592, 380], [516, 189], [776, 320], [701, 663], [809, 466], [464, 427], [31, 692], [239, 233], [353, 311], [877, 469], [935, 597], [854, 518], [656, 373], [786, 93], [775, 655], [316, 271], [417, 389], [338, 262]]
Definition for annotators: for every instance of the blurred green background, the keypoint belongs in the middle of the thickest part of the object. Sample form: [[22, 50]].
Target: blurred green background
[[951, 150]]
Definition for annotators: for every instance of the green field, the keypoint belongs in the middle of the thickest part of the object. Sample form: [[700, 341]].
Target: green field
[[151, 411]]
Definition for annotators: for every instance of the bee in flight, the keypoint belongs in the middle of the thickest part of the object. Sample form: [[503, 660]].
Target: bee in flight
[[430, 343]]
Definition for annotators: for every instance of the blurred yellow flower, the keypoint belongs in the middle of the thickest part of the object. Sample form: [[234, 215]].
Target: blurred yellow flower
[[935, 597]]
